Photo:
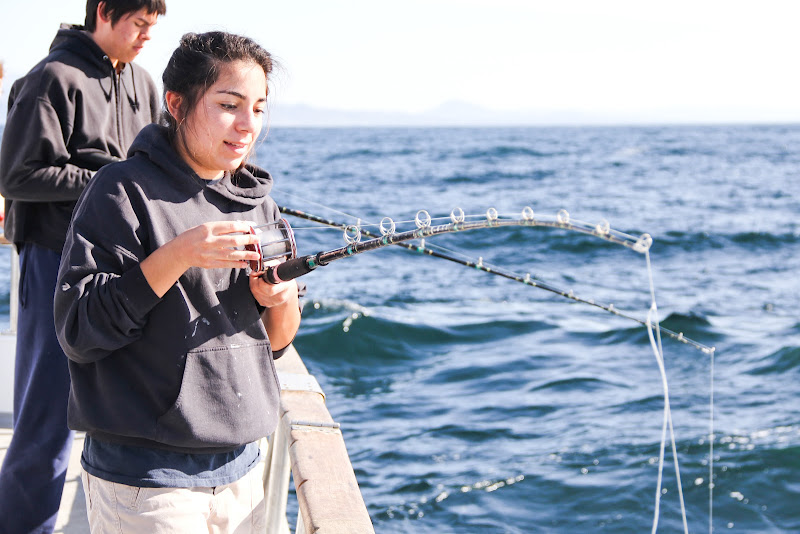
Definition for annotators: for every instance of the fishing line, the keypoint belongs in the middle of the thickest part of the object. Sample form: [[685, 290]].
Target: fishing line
[[312, 228], [655, 343], [323, 206], [711, 449]]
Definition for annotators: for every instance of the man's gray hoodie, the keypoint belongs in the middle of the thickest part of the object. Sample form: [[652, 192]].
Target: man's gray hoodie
[[67, 117]]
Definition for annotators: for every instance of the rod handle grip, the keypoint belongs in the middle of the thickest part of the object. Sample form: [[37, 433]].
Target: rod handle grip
[[289, 270]]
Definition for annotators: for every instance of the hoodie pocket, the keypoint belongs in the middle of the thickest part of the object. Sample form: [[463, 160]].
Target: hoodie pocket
[[229, 396]]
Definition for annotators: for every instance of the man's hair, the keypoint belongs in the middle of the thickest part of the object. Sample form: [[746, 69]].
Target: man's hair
[[116, 9]]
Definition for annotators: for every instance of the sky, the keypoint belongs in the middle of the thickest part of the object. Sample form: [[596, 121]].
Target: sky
[[610, 61]]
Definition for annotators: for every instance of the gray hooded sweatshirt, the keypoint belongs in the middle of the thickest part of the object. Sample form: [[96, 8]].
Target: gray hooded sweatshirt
[[192, 371], [67, 117]]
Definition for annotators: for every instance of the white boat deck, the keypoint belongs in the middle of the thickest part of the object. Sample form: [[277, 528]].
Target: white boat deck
[[72, 516]]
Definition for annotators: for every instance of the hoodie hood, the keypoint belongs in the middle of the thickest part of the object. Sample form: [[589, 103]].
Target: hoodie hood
[[71, 113], [248, 185], [76, 40]]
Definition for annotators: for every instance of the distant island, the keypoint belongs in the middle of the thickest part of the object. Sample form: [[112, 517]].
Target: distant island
[[456, 113]]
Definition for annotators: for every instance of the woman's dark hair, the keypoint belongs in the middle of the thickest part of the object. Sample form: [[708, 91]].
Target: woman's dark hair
[[116, 9], [197, 64]]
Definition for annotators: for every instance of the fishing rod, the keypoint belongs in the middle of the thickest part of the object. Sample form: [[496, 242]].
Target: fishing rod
[[298, 266]]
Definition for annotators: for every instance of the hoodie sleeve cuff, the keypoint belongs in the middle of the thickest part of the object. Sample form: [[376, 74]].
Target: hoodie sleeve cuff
[[139, 296]]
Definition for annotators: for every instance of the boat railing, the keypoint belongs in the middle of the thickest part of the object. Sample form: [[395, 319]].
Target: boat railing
[[8, 336], [13, 287], [309, 445]]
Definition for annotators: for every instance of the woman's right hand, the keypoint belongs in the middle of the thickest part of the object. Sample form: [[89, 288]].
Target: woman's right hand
[[212, 245], [216, 245]]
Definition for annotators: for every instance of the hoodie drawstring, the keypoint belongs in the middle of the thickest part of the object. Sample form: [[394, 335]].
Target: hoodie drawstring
[[135, 103]]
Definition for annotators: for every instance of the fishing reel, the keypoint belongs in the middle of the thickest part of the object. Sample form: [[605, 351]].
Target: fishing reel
[[276, 241]]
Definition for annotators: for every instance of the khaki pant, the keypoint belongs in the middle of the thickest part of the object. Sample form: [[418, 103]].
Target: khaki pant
[[236, 508]]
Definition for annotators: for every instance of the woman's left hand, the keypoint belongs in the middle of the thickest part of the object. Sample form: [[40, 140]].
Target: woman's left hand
[[272, 295], [282, 316]]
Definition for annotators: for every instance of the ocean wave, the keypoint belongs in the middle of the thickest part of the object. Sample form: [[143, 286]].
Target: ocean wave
[[368, 153], [688, 320], [364, 338], [765, 239], [691, 324], [485, 381], [326, 316], [507, 151], [634, 335], [582, 384], [694, 150], [651, 403], [493, 177], [359, 337], [714, 240], [529, 241], [780, 362], [474, 434]]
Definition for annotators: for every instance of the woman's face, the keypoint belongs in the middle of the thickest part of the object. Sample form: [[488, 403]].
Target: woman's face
[[222, 128]]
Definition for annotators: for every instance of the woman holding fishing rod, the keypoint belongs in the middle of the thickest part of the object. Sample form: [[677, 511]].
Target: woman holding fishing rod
[[170, 338]]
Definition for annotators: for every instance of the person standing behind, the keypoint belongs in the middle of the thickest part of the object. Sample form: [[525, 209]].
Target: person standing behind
[[79, 108]]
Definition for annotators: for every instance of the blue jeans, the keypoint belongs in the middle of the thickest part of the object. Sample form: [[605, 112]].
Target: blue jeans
[[35, 466]]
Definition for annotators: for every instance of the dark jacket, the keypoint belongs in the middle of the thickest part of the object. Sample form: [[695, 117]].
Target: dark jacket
[[67, 117], [192, 371]]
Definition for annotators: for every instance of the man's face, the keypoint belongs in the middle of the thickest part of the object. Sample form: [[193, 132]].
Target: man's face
[[123, 41]]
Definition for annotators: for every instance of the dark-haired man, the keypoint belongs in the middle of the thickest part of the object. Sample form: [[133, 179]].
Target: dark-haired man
[[76, 110]]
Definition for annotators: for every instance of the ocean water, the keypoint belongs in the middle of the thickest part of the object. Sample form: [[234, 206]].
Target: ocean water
[[473, 403]]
